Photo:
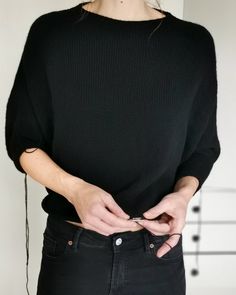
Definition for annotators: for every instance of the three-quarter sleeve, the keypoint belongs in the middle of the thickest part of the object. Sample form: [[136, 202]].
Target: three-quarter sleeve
[[202, 147], [28, 121]]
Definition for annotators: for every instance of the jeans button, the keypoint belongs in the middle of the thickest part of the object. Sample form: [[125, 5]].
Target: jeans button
[[118, 241]]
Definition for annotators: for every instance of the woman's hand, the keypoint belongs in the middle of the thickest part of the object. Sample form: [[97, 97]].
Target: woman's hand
[[172, 210], [98, 210]]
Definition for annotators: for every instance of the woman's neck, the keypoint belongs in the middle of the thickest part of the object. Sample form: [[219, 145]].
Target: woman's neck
[[123, 9]]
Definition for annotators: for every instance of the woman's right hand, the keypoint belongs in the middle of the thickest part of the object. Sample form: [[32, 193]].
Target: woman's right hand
[[98, 210]]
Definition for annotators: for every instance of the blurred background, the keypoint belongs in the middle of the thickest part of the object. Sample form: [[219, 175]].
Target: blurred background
[[209, 237]]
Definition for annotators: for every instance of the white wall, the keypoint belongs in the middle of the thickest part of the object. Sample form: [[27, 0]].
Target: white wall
[[15, 19], [174, 6], [218, 272]]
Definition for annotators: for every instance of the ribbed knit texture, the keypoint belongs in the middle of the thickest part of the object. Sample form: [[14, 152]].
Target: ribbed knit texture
[[111, 103]]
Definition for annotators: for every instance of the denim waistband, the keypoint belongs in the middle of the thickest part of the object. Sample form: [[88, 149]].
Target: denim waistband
[[119, 241]]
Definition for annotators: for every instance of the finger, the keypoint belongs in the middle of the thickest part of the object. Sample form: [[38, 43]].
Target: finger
[[100, 226], [115, 208], [114, 220], [158, 233], [171, 242], [156, 210], [178, 225], [94, 228], [155, 226]]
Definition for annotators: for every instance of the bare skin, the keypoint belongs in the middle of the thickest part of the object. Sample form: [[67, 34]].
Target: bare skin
[[125, 10], [125, 229]]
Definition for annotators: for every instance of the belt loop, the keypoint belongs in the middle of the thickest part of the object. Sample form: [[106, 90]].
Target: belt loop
[[76, 238]]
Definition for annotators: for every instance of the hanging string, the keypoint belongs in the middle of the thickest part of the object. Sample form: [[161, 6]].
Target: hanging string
[[27, 225], [27, 233], [161, 20]]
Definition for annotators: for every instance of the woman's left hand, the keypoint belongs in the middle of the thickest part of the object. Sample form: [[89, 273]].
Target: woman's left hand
[[172, 210]]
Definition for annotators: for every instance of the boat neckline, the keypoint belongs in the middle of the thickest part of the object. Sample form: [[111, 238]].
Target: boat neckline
[[116, 20]]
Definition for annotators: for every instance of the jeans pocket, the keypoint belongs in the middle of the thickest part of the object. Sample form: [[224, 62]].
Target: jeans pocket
[[55, 245], [175, 254]]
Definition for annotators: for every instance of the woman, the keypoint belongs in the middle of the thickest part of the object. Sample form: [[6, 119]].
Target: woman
[[113, 110]]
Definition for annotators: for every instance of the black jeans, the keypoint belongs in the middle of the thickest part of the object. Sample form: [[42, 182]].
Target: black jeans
[[78, 261]]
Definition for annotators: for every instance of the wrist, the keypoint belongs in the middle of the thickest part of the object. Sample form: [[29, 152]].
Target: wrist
[[186, 193], [71, 186], [186, 186]]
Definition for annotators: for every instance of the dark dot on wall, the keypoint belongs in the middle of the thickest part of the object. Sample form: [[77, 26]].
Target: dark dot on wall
[[195, 238], [194, 272], [196, 209]]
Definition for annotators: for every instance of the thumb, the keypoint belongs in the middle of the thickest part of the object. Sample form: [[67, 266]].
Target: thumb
[[155, 211], [115, 208]]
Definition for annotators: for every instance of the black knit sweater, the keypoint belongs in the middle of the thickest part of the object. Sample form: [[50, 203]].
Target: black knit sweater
[[129, 106]]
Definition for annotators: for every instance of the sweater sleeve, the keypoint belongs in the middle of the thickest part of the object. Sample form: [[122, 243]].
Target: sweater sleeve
[[202, 147], [28, 121]]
